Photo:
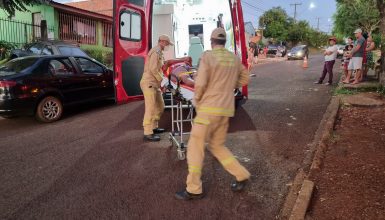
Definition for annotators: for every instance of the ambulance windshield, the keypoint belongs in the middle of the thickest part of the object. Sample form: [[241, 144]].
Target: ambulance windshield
[[189, 24]]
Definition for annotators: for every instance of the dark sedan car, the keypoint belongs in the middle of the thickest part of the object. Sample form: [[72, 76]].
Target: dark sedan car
[[298, 52], [49, 48], [276, 50], [42, 85]]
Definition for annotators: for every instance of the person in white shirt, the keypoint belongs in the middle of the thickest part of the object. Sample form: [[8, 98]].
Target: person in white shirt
[[330, 59]]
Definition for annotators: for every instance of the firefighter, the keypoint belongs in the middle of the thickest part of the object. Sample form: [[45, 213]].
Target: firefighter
[[150, 85], [219, 73]]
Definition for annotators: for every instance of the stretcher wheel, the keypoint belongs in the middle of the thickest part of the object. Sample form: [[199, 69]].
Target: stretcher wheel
[[182, 152], [181, 155]]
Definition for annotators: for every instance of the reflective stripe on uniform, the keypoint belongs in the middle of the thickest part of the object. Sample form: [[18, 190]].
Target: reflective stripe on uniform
[[149, 92], [194, 169], [147, 122], [217, 111], [201, 121], [224, 57], [227, 161]]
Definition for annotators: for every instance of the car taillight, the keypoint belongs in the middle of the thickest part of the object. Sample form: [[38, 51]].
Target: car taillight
[[7, 84]]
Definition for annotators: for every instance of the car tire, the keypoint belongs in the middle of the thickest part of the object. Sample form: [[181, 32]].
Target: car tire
[[49, 109]]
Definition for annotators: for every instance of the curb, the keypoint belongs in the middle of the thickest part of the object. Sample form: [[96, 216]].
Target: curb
[[300, 193]]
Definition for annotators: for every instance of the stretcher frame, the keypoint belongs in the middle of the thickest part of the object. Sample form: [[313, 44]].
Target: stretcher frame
[[178, 104]]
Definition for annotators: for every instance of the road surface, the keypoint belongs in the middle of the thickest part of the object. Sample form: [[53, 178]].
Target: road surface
[[94, 165]]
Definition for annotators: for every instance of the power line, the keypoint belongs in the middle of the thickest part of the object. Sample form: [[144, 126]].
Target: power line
[[295, 9], [253, 6], [256, 4]]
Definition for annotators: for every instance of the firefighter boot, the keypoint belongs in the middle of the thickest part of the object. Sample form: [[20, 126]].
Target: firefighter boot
[[184, 195], [151, 138]]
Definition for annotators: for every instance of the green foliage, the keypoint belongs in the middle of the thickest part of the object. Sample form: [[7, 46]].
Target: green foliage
[[279, 26], [275, 22], [355, 14], [103, 55], [5, 49], [11, 6]]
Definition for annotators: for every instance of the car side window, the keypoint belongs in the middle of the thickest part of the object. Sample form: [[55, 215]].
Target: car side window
[[36, 48], [89, 67], [47, 50], [60, 67]]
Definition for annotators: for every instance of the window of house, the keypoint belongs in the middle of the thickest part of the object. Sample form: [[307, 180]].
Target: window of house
[[130, 26]]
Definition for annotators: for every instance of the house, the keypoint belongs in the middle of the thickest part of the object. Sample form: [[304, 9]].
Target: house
[[57, 21], [104, 7]]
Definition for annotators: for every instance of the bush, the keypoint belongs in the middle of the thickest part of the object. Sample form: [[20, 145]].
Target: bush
[[103, 55], [5, 49]]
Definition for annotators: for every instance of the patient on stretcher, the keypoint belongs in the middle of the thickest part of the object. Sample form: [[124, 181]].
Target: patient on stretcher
[[183, 74]]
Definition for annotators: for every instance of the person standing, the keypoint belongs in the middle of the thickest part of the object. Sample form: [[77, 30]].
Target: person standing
[[150, 85], [370, 46], [219, 73], [355, 63], [330, 59]]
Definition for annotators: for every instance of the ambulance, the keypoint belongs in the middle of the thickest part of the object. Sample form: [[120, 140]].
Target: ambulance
[[189, 23]]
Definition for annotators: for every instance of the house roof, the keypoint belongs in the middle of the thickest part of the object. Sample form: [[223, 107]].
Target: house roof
[[74, 10], [104, 7]]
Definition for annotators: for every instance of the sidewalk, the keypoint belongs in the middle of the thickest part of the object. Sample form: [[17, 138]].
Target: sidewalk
[[350, 185]]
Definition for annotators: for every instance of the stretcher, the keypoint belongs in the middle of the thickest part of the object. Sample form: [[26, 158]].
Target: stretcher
[[178, 97]]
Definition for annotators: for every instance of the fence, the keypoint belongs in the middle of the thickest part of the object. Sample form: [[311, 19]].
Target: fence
[[77, 29], [107, 35], [20, 32]]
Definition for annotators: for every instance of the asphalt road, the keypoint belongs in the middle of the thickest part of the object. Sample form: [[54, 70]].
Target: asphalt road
[[94, 165]]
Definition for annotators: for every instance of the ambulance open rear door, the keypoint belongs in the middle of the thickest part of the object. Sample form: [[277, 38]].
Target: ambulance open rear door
[[131, 37]]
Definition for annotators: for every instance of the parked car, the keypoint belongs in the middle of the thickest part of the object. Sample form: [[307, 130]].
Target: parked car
[[298, 52], [42, 85], [49, 48], [276, 50]]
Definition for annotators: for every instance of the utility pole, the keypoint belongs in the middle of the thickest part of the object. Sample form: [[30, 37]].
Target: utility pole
[[329, 29], [317, 22], [295, 9]]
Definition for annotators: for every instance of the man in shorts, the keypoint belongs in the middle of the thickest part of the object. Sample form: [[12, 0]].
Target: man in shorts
[[355, 63]]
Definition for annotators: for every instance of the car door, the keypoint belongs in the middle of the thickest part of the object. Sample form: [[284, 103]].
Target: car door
[[73, 86], [99, 78]]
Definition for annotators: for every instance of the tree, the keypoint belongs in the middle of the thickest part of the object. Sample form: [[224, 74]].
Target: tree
[[278, 25], [352, 14], [11, 6], [381, 10], [274, 22], [298, 32]]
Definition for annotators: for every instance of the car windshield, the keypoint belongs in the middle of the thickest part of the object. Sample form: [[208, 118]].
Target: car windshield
[[296, 48], [71, 51], [16, 66]]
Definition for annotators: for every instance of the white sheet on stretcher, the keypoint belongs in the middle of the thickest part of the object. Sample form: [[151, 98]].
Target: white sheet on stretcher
[[187, 93]]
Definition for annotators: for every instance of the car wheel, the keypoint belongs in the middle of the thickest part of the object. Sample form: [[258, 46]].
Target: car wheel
[[49, 109]]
